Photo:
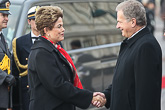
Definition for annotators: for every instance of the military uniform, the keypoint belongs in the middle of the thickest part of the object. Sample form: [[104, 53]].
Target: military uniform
[[20, 92], [6, 79]]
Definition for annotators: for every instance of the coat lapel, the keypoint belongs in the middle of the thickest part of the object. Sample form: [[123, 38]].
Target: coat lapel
[[2, 47], [28, 43], [3, 44], [54, 48], [137, 36]]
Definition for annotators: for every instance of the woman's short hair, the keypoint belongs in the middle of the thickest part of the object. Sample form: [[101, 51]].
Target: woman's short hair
[[46, 16], [133, 9]]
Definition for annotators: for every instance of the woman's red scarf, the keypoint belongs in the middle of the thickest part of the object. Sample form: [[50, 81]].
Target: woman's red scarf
[[77, 82]]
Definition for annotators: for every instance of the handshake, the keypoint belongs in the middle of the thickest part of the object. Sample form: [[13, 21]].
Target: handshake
[[99, 99]]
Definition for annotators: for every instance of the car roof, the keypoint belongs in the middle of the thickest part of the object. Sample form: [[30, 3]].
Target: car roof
[[17, 1], [26, 4], [21, 1]]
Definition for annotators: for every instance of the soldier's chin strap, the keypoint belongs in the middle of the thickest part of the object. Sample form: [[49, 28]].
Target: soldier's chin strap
[[5, 64], [18, 64]]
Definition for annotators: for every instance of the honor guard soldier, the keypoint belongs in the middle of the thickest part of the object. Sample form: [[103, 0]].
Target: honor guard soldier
[[6, 79], [21, 50]]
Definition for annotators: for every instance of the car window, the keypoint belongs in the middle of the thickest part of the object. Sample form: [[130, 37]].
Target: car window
[[78, 24], [104, 16], [93, 24]]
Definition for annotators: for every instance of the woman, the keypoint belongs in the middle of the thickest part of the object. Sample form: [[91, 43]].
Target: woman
[[53, 81]]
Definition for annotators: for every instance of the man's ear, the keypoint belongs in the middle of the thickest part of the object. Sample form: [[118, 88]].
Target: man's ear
[[29, 21], [133, 22]]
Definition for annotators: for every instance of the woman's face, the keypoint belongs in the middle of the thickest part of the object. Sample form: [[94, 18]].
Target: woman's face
[[57, 33]]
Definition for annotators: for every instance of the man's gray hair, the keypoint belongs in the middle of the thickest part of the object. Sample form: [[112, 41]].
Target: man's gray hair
[[133, 9]]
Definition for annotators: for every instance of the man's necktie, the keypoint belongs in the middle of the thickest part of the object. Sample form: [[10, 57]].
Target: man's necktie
[[36, 38]]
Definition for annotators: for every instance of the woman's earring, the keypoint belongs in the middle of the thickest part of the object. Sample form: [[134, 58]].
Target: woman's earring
[[48, 35]]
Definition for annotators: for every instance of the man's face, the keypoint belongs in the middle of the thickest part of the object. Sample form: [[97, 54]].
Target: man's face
[[124, 25], [3, 20], [32, 24]]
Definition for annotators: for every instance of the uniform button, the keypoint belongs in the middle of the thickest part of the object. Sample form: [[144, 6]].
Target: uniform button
[[27, 86], [26, 58], [63, 64]]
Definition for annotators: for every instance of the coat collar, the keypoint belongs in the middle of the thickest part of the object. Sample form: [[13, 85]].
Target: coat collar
[[128, 43], [44, 43], [140, 34]]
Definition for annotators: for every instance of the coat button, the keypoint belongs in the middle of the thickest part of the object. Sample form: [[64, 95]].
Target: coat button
[[27, 86], [63, 64]]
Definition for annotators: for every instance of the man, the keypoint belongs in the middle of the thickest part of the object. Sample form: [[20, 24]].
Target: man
[[137, 77], [6, 79], [21, 50]]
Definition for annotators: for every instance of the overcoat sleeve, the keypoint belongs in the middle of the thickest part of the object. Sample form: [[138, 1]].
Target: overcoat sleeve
[[107, 93], [2, 76]]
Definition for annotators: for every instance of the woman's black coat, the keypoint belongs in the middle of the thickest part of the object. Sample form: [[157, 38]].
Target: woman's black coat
[[51, 80]]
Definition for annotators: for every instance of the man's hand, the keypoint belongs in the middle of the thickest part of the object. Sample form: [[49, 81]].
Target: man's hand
[[99, 99], [10, 79]]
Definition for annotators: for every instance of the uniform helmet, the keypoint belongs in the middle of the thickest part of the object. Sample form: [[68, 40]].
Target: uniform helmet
[[32, 11], [4, 6]]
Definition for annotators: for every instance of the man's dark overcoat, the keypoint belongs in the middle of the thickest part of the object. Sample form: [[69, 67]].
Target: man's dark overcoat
[[51, 80], [20, 92], [137, 79]]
